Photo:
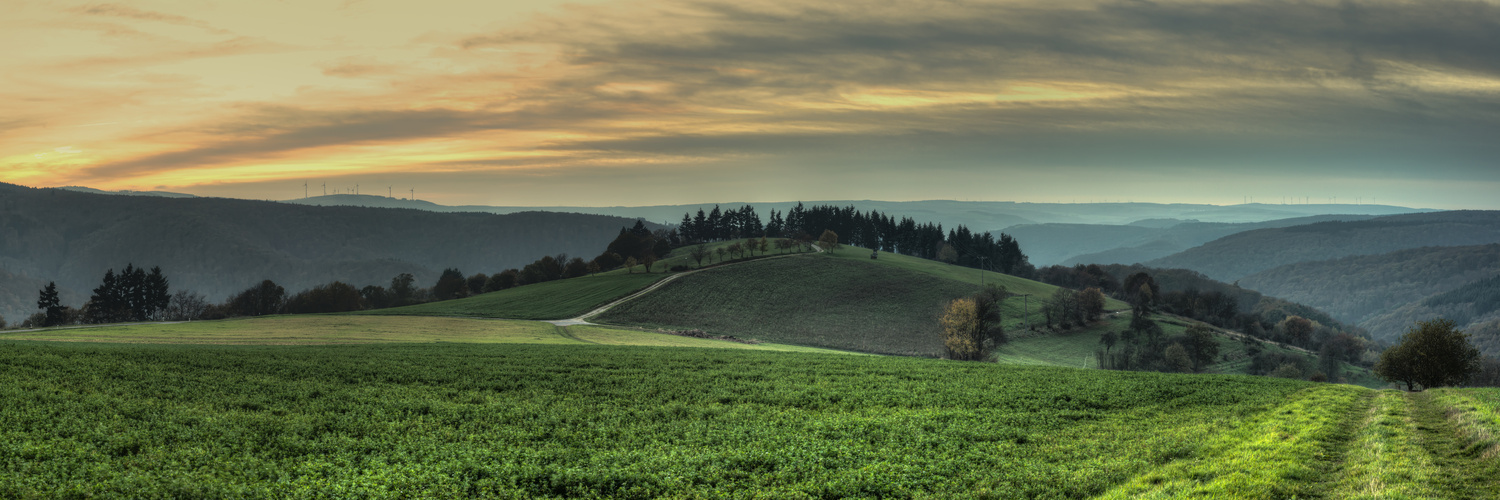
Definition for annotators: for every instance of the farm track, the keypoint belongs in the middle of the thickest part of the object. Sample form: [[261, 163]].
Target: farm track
[[562, 331], [1464, 472], [1398, 444], [582, 319]]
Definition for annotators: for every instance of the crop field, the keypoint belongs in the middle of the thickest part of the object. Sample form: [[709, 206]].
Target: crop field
[[806, 300], [578, 421], [594, 421], [559, 299], [1015, 285], [346, 329]]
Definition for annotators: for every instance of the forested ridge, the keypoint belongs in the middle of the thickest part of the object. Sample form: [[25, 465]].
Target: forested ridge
[[1239, 255], [219, 246]]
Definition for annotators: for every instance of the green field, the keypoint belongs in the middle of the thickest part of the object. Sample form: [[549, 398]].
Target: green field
[[806, 300], [577, 421], [1020, 286], [590, 421], [559, 299], [346, 329]]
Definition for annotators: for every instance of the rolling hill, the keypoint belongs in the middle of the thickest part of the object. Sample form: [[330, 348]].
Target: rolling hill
[[1242, 254], [1387, 293], [220, 246], [843, 300], [839, 300]]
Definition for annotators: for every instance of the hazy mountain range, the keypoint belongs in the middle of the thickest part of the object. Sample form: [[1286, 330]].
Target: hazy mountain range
[[1142, 241], [976, 215], [1393, 290], [1241, 254], [1363, 264], [220, 246]]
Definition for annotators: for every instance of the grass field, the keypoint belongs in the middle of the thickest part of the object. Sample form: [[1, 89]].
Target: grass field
[[579, 421], [592, 421], [346, 329], [806, 300], [559, 299]]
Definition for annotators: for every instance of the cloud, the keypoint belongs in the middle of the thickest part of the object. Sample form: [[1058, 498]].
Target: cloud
[[1333, 88], [128, 12]]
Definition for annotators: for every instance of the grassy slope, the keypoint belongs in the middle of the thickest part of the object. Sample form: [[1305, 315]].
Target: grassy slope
[[807, 300], [346, 329], [561, 299], [844, 300]]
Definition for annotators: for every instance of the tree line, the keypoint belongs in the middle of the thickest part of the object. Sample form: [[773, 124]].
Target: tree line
[[872, 230]]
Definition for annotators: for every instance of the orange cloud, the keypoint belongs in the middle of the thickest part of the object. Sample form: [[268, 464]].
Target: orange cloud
[[251, 94]]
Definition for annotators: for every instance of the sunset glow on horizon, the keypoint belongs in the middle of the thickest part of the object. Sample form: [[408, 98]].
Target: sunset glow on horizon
[[661, 102]]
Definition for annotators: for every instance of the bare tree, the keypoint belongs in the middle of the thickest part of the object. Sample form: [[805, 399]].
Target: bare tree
[[699, 253], [186, 306]]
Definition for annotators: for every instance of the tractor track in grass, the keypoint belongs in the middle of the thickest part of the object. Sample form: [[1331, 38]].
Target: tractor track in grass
[[1462, 471], [562, 331]]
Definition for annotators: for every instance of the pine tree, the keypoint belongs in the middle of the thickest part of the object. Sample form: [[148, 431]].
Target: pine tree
[[51, 304]]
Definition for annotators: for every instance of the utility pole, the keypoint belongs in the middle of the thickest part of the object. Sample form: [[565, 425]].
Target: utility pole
[[1026, 310]]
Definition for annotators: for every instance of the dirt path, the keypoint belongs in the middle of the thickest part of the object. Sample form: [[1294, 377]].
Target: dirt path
[[582, 319], [562, 331]]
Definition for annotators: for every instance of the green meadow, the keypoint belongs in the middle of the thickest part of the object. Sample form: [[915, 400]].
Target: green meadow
[[497, 420]]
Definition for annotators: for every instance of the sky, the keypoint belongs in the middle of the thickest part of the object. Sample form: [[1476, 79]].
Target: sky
[[603, 103]]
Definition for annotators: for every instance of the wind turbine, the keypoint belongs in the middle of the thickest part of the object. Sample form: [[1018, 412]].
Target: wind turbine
[[325, 189], [304, 190]]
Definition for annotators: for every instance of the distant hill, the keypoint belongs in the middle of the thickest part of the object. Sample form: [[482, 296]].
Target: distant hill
[[1139, 241], [1387, 293], [220, 246], [162, 194], [978, 215], [1239, 255], [1271, 309]]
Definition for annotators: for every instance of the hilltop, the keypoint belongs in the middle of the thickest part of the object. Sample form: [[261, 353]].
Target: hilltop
[[890, 305]]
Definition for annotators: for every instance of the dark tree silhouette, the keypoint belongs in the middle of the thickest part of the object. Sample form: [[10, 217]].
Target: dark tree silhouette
[[259, 300], [53, 313], [449, 285], [403, 289]]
